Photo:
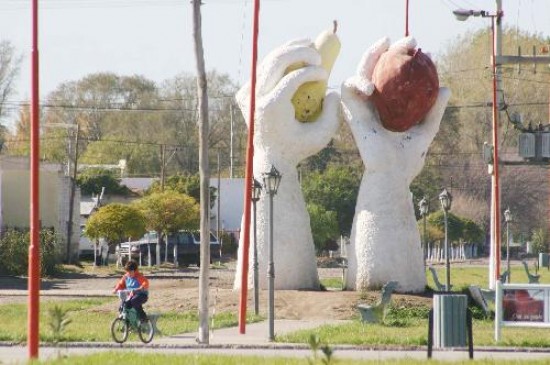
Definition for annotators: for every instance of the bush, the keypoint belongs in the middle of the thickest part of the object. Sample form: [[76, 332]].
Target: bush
[[14, 252]]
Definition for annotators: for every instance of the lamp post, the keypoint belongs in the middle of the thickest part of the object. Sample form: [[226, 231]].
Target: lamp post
[[496, 29], [446, 199], [271, 184], [424, 207], [256, 192], [508, 218]]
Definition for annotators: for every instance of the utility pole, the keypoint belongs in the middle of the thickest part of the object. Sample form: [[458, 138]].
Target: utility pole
[[204, 172], [218, 198], [72, 194], [162, 166]]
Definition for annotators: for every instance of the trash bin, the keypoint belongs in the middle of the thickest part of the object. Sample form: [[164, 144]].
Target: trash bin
[[449, 320], [543, 259]]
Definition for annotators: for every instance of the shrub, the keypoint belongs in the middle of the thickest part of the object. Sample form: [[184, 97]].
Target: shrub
[[14, 252]]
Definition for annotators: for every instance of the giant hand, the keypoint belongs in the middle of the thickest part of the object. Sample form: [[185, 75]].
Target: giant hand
[[282, 141], [385, 242]]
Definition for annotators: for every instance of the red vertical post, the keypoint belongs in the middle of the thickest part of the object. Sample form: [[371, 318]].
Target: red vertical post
[[248, 176], [34, 248]]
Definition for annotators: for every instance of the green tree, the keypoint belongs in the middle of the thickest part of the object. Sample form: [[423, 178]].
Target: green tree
[[455, 225], [10, 63], [539, 239], [324, 226], [472, 232], [334, 190], [115, 223], [167, 212], [91, 181], [183, 184]]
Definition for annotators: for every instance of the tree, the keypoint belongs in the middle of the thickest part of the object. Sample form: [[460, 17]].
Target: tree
[[167, 212], [92, 180], [334, 190], [324, 226], [9, 69], [455, 225], [115, 223], [539, 239], [19, 143]]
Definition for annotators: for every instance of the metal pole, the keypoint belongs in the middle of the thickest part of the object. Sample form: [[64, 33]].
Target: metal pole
[[447, 264], [496, 28], [71, 197], [255, 268], [271, 273], [34, 248], [218, 213], [425, 249], [508, 279]]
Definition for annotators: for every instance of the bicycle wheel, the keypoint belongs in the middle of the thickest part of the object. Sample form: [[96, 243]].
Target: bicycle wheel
[[146, 331], [119, 330]]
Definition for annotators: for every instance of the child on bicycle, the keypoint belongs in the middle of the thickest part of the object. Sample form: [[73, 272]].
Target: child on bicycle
[[138, 285]]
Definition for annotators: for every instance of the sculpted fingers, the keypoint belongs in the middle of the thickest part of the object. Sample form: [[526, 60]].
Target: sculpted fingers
[[404, 44], [370, 58], [243, 100], [278, 62], [290, 83]]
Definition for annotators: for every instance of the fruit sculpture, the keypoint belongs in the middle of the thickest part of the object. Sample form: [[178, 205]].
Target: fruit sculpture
[[406, 87], [308, 99]]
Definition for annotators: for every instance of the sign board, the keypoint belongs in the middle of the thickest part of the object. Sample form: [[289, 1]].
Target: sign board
[[521, 305]]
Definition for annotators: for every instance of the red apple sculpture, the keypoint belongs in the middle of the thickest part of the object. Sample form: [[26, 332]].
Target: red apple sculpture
[[406, 87]]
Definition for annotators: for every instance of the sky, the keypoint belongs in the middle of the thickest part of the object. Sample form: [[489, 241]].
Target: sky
[[153, 38]]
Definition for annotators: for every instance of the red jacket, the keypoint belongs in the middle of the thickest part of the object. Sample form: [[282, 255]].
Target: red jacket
[[142, 281]]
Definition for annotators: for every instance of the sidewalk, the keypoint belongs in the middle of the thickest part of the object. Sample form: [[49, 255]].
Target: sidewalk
[[254, 342]]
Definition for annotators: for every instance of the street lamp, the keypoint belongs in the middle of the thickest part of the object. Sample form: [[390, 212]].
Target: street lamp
[[496, 29], [271, 184], [508, 218], [424, 207], [446, 199], [256, 192]]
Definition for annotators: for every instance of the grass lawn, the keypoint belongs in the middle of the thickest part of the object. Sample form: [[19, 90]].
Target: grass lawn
[[88, 324], [408, 324]]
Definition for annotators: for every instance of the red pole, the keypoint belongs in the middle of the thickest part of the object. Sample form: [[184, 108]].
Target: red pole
[[406, 18], [249, 174], [495, 159], [34, 248]]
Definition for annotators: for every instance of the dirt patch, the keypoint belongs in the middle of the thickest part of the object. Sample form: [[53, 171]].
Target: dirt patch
[[177, 290]]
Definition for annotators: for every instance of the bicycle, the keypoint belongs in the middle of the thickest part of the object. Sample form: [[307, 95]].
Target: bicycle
[[127, 321]]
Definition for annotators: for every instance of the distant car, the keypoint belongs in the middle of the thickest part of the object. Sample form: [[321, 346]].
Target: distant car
[[185, 245], [214, 243]]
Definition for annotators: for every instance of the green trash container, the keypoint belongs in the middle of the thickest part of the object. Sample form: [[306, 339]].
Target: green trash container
[[449, 320], [543, 259]]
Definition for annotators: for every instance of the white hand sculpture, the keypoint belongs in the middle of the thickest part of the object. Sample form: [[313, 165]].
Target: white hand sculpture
[[385, 242], [282, 141]]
